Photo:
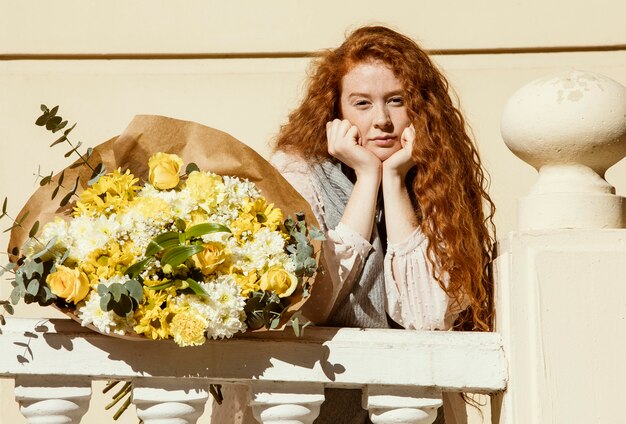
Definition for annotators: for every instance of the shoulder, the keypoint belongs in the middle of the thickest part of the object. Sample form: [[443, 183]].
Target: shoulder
[[289, 163]]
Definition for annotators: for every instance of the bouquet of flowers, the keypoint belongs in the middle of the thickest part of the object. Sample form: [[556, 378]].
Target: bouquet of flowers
[[161, 250]]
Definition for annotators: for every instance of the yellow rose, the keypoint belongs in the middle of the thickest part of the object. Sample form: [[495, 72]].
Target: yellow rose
[[279, 281], [210, 258], [69, 284], [164, 169]]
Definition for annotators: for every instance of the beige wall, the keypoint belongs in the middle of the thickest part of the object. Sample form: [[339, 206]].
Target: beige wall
[[239, 66]]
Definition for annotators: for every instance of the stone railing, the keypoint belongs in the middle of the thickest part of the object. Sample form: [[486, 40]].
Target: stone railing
[[402, 373]]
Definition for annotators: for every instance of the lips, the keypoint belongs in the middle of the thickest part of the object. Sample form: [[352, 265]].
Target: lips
[[384, 141]]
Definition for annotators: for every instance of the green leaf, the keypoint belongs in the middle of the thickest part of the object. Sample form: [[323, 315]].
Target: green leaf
[[197, 288], [105, 301], [116, 290], [161, 286], [61, 177], [54, 110], [102, 289], [206, 228], [59, 140], [43, 108], [19, 221], [55, 192], [41, 121], [162, 241], [124, 307], [9, 309], [2, 320], [33, 287], [69, 130], [34, 229], [69, 195], [45, 180], [177, 255], [98, 171], [191, 167], [316, 234], [135, 269], [135, 290], [274, 323], [16, 295], [52, 123], [181, 225], [296, 326], [4, 206]]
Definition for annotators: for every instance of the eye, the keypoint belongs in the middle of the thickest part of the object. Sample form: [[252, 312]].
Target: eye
[[361, 103], [396, 100]]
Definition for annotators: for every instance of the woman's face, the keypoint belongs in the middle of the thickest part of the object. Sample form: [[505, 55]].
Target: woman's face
[[372, 99]]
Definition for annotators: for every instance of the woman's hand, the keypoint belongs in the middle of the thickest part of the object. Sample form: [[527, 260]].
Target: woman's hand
[[400, 162], [344, 143]]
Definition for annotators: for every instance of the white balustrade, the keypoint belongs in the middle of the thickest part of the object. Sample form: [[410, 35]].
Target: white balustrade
[[286, 374], [561, 277], [571, 127]]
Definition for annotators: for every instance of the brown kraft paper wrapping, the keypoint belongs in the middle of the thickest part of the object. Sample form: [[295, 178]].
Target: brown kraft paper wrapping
[[211, 149]]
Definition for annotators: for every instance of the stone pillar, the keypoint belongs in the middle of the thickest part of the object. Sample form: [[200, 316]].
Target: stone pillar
[[165, 401], [571, 127], [560, 278], [406, 405], [285, 403], [52, 399]]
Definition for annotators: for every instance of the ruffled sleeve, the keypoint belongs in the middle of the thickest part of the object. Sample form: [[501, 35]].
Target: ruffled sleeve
[[414, 298]]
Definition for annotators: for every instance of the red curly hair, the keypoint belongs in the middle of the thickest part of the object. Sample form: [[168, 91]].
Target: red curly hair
[[450, 186]]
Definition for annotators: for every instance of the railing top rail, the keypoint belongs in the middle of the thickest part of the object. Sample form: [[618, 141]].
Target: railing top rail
[[453, 361]]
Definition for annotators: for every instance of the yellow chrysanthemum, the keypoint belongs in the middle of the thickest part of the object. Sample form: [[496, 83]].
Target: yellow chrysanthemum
[[266, 214], [153, 207], [188, 328], [110, 194], [205, 187], [154, 315], [248, 283], [106, 262], [244, 226]]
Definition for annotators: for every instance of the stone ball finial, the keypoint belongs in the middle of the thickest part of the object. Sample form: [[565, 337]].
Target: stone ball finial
[[571, 127]]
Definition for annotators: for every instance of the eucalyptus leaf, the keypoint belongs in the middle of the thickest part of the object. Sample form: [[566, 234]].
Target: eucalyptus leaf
[[116, 290], [45, 180], [33, 287], [55, 192], [19, 221], [16, 295], [9, 308], [41, 121], [54, 110], [52, 123], [34, 229], [177, 255], [59, 140], [69, 130], [4, 206], [105, 300], [191, 167], [2, 320], [135, 290], [296, 326], [124, 307]]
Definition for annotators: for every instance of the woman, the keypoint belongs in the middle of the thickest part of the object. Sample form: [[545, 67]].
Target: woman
[[381, 153]]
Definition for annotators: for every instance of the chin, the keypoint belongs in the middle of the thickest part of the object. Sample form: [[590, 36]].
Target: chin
[[383, 153]]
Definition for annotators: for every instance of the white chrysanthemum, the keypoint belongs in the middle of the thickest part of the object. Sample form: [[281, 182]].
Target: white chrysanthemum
[[88, 234], [89, 312], [224, 309], [56, 229]]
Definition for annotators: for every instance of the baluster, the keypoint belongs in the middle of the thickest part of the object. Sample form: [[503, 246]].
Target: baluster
[[52, 399], [282, 403], [168, 401], [399, 405]]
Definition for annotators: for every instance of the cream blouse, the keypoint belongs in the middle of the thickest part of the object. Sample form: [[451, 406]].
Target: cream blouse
[[414, 299]]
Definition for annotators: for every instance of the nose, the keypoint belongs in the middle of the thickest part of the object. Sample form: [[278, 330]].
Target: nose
[[382, 118]]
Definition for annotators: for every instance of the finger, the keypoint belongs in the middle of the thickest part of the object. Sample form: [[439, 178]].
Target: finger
[[353, 135]]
